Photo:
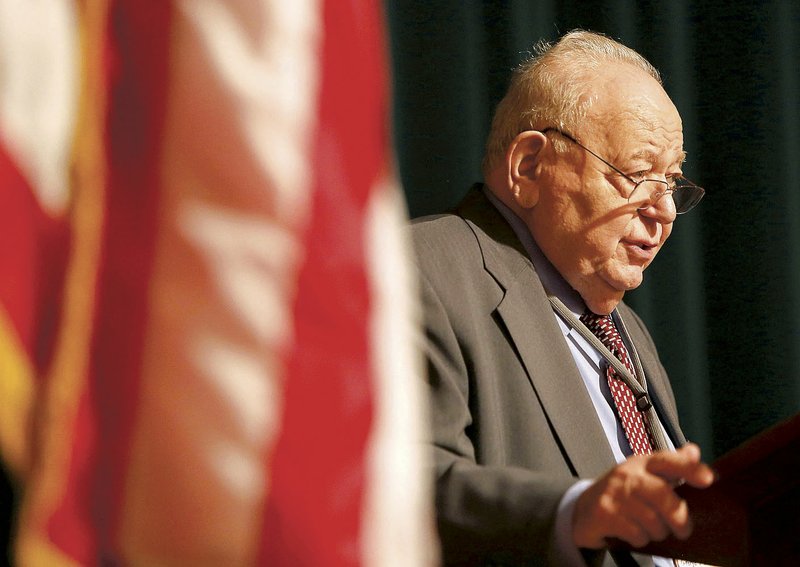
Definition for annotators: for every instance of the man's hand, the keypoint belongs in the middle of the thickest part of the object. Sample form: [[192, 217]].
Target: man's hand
[[635, 500]]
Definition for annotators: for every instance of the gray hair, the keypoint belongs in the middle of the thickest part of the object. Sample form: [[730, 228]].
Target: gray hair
[[549, 88]]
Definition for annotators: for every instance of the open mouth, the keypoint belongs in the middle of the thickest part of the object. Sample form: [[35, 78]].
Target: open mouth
[[642, 250]]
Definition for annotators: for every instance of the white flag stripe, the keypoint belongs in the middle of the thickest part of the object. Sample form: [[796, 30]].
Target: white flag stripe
[[398, 519], [265, 53], [38, 93], [241, 111]]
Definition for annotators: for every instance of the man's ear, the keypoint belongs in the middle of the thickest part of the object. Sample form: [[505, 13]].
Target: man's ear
[[523, 166]]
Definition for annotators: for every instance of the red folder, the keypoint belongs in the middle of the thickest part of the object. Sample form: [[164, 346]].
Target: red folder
[[751, 515]]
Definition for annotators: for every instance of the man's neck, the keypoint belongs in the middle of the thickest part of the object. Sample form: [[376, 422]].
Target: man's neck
[[552, 281]]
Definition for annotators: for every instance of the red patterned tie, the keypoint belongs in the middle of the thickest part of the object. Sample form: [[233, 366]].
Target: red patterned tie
[[630, 417]]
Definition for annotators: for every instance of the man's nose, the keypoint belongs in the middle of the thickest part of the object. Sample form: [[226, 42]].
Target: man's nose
[[661, 210]]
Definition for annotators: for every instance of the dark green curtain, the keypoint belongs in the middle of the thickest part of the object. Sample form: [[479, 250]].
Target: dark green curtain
[[723, 298]]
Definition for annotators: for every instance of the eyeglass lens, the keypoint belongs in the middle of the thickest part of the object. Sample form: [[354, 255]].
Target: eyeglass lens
[[649, 192]]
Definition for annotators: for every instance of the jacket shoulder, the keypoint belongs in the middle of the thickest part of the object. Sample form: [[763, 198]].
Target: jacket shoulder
[[445, 244]]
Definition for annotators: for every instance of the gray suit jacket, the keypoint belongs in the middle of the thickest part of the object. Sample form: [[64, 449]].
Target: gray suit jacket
[[513, 424]]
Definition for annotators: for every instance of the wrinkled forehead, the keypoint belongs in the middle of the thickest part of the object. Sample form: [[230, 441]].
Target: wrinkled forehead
[[624, 88], [630, 109]]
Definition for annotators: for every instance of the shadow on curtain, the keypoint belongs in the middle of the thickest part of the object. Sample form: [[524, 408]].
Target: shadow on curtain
[[723, 299]]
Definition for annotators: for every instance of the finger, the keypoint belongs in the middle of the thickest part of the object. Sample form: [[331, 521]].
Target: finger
[[659, 497], [631, 532], [648, 518], [681, 465], [701, 477], [672, 511], [671, 463], [680, 521]]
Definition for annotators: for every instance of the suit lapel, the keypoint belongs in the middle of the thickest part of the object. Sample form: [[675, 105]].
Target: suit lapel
[[553, 374], [534, 332], [657, 386]]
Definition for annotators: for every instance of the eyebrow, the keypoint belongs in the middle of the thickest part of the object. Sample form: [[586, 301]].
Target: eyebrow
[[651, 157]]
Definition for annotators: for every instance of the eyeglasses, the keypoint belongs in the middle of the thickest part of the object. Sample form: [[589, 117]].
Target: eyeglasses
[[647, 192]]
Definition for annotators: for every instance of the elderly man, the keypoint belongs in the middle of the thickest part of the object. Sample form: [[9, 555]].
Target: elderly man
[[554, 423]]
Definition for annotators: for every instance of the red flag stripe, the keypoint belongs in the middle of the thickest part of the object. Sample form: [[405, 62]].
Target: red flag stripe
[[18, 308], [313, 515], [138, 44], [233, 197], [19, 217], [74, 509]]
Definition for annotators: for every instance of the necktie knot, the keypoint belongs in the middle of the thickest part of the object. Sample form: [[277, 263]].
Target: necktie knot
[[598, 324], [603, 327]]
